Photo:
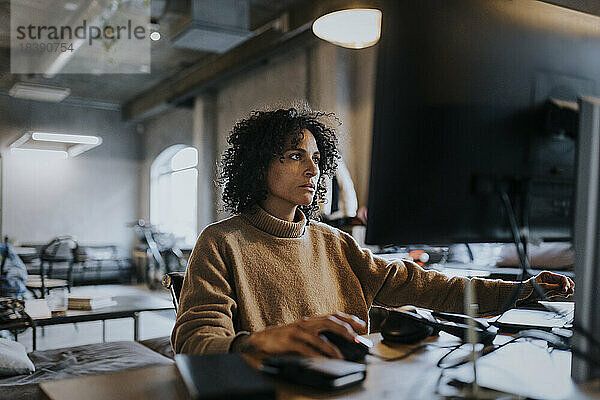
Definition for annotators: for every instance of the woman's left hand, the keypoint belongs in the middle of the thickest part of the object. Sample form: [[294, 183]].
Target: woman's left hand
[[555, 284]]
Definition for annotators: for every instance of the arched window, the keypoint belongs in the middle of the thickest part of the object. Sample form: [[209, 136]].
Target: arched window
[[174, 192]]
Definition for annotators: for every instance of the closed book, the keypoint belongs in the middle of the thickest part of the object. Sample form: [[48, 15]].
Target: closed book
[[90, 303], [222, 376]]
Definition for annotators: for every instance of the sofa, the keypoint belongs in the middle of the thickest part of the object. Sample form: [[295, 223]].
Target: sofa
[[92, 359], [92, 265]]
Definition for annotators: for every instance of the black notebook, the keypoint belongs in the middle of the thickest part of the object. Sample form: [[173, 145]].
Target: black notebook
[[223, 376], [320, 373]]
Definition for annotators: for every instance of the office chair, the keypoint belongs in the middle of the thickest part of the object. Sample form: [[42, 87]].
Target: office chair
[[173, 282], [62, 249]]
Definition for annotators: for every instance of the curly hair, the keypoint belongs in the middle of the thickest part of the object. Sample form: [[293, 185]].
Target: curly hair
[[264, 136]]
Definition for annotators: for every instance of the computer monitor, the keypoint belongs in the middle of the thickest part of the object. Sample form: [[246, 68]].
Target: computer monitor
[[460, 116], [587, 239]]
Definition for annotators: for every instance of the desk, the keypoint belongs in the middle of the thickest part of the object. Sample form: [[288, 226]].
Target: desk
[[413, 378], [471, 270], [126, 307]]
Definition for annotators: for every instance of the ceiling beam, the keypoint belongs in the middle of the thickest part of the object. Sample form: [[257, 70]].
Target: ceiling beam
[[194, 80], [205, 75]]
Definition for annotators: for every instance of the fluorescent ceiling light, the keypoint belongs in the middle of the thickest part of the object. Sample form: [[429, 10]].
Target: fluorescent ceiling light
[[355, 28], [57, 137], [70, 145], [47, 152], [31, 91]]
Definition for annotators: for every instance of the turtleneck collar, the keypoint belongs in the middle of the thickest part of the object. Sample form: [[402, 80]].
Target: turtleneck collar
[[259, 218]]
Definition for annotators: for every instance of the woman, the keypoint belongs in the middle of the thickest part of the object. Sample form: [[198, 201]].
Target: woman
[[270, 278]]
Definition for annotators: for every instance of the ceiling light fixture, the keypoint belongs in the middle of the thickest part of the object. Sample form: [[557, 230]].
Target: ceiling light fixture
[[57, 137], [32, 91], [70, 145], [354, 28], [55, 153], [155, 36]]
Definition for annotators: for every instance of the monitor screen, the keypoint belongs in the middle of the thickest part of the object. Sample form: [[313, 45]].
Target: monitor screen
[[586, 237], [461, 115]]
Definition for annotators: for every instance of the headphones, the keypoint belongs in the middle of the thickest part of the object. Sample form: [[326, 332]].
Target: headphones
[[410, 325]]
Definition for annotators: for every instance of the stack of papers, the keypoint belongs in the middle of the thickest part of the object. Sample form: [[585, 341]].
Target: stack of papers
[[90, 302], [518, 318], [523, 368]]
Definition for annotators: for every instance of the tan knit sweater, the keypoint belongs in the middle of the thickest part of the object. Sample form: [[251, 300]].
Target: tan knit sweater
[[254, 270]]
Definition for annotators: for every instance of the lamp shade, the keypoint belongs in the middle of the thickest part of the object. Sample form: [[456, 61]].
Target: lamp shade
[[354, 28]]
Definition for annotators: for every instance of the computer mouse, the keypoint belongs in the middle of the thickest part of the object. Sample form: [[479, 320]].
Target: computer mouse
[[404, 328], [352, 351]]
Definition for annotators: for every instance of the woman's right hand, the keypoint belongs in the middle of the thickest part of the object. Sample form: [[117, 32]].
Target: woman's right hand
[[302, 337]]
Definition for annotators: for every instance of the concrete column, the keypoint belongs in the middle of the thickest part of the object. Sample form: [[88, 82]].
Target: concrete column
[[144, 190], [364, 64], [204, 140], [321, 81]]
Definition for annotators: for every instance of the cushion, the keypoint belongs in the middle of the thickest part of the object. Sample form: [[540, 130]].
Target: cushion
[[91, 359], [13, 359], [161, 345]]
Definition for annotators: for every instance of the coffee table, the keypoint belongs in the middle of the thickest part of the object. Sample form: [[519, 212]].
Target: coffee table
[[127, 307]]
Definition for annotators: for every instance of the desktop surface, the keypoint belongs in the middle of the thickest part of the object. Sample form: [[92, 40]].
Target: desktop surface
[[475, 270], [414, 377]]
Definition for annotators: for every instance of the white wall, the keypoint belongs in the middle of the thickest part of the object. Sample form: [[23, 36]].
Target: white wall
[[91, 196], [90, 199], [167, 129]]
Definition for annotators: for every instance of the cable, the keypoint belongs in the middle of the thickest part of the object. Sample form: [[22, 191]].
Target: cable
[[454, 348], [519, 241], [470, 253], [525, 273], [512, 221], [485, 351]]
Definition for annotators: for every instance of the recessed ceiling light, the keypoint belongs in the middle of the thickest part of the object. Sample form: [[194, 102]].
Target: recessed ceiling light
[[32, 91], [155, 36]]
